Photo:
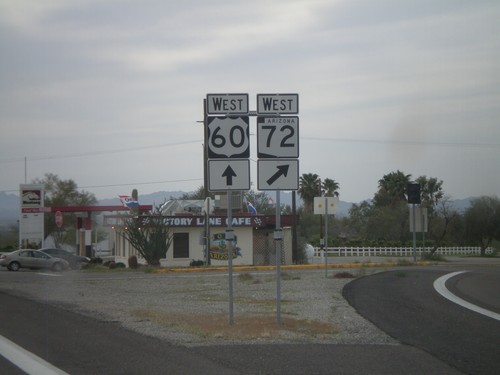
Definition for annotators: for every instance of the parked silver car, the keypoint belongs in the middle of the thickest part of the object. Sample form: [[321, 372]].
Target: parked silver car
[[75, 261], [33, 259]]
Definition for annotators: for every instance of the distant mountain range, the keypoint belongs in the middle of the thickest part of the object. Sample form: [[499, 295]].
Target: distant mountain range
[[9, 203]]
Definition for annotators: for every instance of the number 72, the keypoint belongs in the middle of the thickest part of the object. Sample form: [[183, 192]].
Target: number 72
[[277, 140]]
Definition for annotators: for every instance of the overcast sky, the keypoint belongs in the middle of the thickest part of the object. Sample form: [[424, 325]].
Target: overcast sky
[[108, 93]]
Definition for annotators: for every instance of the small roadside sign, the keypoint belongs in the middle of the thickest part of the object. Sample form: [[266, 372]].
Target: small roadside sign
[[328, 205], [59, 219], [277, 104], [228, 174], [277, 174], [227, 104]]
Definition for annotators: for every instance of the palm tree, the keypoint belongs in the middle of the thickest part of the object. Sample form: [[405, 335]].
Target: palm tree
[[330, 187], [309, 187], [392, 189]]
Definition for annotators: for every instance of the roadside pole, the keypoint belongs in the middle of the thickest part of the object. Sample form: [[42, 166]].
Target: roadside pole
[[278, 240], [414, 234], [326, 237], [229, 241]]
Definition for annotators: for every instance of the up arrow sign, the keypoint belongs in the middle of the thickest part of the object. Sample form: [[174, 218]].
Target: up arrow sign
[[228, 174]]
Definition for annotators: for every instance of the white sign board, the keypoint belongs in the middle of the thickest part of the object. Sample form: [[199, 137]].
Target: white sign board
[[283, 104], [277, 174], [278, 137], [328, 205], [227, 104], [228, 137], [228, 174], [31, 223], [420, 219]]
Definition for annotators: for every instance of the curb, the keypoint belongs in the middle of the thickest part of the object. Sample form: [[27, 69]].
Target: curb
[[290, 267]]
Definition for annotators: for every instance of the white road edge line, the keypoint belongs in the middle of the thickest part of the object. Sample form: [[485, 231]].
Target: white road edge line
[[440, 287], [27, 361]]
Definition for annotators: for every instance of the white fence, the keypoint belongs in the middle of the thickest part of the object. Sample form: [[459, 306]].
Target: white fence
[[396, 251]]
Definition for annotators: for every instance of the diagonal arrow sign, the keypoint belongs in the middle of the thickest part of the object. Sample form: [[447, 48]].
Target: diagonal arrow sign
[[229, 174], [282, 171]]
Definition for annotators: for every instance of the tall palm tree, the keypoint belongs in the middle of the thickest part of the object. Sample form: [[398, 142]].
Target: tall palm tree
[[309, 187], [330, 187], [392, 188]]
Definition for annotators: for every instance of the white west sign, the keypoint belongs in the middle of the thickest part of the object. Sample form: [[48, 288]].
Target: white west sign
[[227, 104], [282, 104]]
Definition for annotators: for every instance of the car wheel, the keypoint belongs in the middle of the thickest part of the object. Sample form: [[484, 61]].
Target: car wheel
[[57, 267], [14, 266]]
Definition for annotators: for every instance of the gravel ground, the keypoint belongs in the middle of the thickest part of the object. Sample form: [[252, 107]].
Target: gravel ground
[[192, 308]]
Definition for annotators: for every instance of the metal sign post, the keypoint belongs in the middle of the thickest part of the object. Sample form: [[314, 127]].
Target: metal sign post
[[326, 237], [414, 235], [278, 237], [326, 206], [229, 241]]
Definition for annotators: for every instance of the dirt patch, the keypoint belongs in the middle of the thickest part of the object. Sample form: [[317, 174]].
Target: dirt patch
[[216, 326]]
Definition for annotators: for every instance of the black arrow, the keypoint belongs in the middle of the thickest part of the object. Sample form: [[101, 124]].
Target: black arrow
[[229, 174], [282, 171]]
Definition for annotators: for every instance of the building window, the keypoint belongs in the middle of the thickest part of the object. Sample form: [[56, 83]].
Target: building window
[[181, 245]]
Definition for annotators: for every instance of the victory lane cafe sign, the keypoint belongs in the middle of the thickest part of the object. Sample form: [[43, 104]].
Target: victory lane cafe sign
[[215, 221]]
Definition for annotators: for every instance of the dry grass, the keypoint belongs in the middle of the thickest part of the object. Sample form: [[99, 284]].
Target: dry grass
[[216, 326]]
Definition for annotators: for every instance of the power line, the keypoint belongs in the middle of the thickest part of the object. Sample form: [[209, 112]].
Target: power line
[[321, 139], [122, 184], [401, 142], [93, 153], [140, 183]]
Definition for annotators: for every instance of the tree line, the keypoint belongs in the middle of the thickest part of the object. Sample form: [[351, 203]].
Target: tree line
[[384, 220], [381, 221]]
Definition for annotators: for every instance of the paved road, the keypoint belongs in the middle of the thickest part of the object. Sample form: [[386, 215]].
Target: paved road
[[83, 345], [404, 304]]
